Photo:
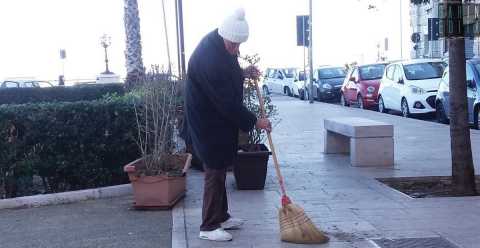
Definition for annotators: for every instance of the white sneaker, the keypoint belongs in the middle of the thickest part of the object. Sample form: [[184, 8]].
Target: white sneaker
[[232, 223], [216, 235]]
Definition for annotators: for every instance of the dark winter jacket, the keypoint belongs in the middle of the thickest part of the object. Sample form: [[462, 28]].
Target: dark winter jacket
[[214, 103]]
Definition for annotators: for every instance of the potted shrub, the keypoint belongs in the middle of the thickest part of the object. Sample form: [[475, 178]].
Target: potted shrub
[[158, 178], [250, 165]]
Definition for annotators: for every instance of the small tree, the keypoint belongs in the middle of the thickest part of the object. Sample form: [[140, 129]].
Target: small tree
[[250, 99], [156, 110], [463, 170]]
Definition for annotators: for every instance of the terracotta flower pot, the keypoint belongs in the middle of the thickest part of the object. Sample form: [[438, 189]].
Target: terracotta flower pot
[[250, 168], [158, 192]]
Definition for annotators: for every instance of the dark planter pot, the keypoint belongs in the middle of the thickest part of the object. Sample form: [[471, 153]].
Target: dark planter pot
[[250, 168]]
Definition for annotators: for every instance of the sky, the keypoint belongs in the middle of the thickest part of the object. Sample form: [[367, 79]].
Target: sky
[[33, 32]]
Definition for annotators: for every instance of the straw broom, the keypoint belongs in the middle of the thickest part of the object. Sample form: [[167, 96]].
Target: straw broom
[[295, 226]]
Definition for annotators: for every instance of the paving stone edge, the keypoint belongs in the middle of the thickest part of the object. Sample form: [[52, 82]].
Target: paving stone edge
[[179, 230], [66, 197]]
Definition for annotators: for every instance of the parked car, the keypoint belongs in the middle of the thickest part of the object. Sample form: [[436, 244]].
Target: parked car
[[282, 81], [327, 81], [361, 84], [25, 84], [442, 101], [410, 86], [107, 78]]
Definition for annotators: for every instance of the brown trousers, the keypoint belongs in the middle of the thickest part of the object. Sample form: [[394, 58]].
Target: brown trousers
[[215, 205]]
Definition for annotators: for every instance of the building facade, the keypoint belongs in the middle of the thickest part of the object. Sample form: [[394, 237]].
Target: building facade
[[422, 47]]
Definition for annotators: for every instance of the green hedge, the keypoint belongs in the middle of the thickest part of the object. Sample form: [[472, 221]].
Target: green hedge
[[59, 93], [55, 147]]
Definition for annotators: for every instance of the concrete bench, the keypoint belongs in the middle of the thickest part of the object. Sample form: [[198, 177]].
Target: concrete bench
[[370, 143]]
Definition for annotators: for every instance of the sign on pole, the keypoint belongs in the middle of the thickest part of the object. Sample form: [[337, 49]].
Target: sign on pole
[[433, 28], [303, 31], [63, 54]]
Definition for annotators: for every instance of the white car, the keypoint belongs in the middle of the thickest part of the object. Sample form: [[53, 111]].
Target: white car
[[107, 78], [282, 81], [410, 86]]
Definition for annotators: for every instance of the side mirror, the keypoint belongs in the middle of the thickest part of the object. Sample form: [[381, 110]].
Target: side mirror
[[353, 79], [400, 81]]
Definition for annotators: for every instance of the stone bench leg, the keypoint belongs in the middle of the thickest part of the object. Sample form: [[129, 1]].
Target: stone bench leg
[[336, 143], [372, 151]]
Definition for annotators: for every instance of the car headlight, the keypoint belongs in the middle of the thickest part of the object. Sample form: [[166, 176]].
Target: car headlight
[[370, 89], [327, 86], [417, 90]]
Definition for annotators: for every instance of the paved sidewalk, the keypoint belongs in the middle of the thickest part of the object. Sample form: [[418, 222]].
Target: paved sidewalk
[[345, 201], [105, 223]]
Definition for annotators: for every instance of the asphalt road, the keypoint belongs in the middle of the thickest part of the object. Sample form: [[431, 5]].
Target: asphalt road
[[97, 223]]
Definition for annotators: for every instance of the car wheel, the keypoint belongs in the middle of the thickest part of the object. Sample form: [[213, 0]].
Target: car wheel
[[343, 101], [319, 96], [265, 90], [381, 105], [301, 94], [360, 102], [476, 123], [405, 110], [287, 91], [441, 115]]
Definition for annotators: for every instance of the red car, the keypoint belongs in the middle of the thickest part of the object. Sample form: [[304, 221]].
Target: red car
[[361, 86]]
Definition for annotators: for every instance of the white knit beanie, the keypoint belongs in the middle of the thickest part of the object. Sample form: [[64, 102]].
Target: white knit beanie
[[235, 27]]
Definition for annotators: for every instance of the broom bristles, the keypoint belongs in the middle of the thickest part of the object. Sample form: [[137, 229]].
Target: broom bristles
[[296, 227]]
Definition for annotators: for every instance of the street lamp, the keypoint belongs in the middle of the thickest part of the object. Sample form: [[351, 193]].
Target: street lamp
[[106, 41]]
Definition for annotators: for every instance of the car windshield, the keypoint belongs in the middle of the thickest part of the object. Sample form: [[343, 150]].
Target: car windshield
[[329, 73], [477, 67], [426, 70], [290, 73], [371, 72]]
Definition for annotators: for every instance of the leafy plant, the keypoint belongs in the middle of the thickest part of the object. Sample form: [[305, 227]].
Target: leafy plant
[[250, 99], [62, 146], [59, 93]]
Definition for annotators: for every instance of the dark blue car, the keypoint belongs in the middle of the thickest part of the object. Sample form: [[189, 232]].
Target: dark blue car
[[473, 94]]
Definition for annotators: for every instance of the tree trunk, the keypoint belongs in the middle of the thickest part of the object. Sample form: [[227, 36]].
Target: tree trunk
[[133, 51], [463, 171]]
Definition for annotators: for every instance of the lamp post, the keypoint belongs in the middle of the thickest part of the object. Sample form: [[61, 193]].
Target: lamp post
[[310, 51], [106, 41]]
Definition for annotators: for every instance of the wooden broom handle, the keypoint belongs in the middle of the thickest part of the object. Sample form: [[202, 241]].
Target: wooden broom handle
[[272, 147]]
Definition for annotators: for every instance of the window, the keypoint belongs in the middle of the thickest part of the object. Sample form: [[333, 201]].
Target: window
[[355, 74], [290, 73], [470, 76], [328, 73], [422, 71], [390, 71], [301, 76], [27, 85], [271, 73], [398, 74], [11, 85], [371, 72], [278, 74]]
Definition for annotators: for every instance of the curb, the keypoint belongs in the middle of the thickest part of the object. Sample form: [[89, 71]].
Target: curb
[[66, 197], [179, 230]]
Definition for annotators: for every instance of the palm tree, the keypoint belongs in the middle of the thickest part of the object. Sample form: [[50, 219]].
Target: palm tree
[[133, 51], [463, 170]]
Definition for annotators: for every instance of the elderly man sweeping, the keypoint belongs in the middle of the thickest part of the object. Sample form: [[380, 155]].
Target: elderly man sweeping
[[214, 115]]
